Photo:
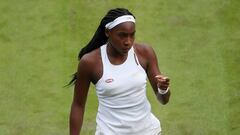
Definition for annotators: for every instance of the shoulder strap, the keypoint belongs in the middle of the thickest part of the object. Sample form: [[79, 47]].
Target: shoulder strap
[[135, 56]]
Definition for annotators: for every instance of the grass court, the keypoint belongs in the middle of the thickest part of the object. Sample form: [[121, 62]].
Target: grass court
[[197, 44]]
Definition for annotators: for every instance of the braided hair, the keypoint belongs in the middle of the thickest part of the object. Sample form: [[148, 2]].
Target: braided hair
[[99, 38]]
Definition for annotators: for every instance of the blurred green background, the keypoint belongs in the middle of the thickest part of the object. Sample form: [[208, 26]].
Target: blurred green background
[[197, 43]]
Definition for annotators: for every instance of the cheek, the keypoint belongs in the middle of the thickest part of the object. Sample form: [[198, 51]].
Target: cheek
[[116, 40]]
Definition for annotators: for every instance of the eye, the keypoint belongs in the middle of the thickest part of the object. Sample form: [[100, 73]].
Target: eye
[[122, 35], [132, 34]]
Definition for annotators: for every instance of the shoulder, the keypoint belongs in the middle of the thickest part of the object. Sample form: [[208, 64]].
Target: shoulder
[[145, 54], [90, 66], [89, 60], [91, 57], [144, 50]]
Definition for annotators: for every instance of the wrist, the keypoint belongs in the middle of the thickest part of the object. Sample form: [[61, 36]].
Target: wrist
[[163, 92]]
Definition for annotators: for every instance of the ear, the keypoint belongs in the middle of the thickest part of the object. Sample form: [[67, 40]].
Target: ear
[[107, 32]]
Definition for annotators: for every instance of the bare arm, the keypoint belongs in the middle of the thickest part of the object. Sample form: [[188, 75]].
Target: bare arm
[[79, 98], [157, 80]]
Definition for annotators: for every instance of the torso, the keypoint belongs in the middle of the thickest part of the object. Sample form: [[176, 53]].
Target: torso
[[123, 106], [95, 61]]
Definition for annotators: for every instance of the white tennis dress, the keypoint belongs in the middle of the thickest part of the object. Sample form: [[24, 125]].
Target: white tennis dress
[[123, 106]]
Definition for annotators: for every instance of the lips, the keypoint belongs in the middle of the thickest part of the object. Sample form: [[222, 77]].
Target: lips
[[126, 49]]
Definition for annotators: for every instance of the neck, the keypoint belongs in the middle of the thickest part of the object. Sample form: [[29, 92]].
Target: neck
[[113, 52], [114, 56]]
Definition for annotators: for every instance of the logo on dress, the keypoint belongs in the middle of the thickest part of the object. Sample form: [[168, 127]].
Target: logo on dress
[[109, 80]]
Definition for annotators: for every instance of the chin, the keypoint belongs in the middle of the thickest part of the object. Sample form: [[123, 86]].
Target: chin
[[125, 51]]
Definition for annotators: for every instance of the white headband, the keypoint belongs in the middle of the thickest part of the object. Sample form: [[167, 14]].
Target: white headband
[[121, 19]]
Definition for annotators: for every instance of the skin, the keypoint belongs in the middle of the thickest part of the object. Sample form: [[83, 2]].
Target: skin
[[90, 69]]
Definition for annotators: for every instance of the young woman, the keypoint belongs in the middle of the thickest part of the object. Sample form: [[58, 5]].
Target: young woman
[[119, 68]]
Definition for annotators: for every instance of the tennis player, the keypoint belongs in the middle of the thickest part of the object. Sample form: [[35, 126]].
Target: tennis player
[[119, 69]]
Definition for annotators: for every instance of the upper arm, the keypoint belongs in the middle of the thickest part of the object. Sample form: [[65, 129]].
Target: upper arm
[[82, 83], [150, 64], [152, 67]]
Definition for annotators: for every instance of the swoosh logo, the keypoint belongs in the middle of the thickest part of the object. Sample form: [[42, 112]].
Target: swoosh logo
[[109, 80]]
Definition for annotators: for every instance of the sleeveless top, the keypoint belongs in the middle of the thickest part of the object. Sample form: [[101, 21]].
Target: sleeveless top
[[123, 105]]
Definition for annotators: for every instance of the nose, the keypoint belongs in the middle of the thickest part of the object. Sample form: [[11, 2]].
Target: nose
[[128, 41]]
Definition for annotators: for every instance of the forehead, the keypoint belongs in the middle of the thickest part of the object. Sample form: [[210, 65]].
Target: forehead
[[124, 27]]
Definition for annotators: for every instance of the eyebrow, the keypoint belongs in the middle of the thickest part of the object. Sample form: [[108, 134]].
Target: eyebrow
[[121, 32]]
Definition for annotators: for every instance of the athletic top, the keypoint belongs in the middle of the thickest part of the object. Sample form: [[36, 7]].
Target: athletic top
[[123, 106]]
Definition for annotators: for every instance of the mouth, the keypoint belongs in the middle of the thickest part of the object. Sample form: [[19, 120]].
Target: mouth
[[125, 50], [128, 48]]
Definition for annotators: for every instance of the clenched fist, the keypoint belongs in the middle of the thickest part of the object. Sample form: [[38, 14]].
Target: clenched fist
[[162, 82]]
